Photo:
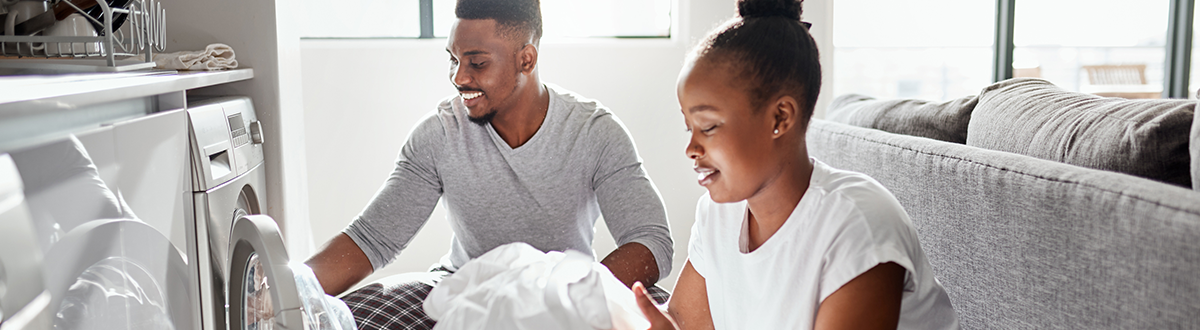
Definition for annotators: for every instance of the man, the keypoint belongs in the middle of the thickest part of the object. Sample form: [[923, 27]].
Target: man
[[513, 160]]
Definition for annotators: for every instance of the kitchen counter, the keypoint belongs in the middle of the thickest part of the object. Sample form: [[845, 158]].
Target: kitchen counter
[[38, 108]]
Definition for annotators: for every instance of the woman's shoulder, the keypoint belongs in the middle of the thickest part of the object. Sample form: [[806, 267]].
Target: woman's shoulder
[[857, 197], [855, 187], [847, 183]]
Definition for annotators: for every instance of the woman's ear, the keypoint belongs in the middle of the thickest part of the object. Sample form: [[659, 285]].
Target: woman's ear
[[528, 56], [786, 112]]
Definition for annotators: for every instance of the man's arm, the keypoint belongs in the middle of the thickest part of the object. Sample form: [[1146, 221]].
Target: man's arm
[[391, 219], [632, 263], [339, 265], [633, 210]]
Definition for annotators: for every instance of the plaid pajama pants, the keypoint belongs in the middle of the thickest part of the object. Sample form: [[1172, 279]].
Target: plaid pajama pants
[[397, 302]]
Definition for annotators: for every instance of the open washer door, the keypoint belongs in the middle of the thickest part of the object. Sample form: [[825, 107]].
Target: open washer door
[[267, 291]]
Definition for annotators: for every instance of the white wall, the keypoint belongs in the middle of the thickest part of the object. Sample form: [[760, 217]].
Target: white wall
[[363, 96]]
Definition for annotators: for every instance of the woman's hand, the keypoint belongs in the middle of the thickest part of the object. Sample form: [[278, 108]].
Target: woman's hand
[[659, 320]]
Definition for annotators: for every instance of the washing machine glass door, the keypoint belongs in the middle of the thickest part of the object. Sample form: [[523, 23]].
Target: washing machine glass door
[[262, 294], [118, 274], [266, 291]]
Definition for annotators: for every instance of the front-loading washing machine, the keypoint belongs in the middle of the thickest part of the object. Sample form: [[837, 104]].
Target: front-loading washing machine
[[247, 279], [23, 298], [106, 266]]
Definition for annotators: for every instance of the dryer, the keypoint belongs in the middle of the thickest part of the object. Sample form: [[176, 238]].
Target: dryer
[[248, 281]]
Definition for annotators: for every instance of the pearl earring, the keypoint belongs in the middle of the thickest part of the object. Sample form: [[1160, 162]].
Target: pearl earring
[[776, 131]]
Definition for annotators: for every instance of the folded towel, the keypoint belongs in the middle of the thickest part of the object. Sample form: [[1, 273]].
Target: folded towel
[[213, 57]]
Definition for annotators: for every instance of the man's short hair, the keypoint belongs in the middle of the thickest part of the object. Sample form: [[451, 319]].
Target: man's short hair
[[516, 18]]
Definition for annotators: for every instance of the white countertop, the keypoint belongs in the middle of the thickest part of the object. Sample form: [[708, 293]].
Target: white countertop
[[39, 108], [34, 91]]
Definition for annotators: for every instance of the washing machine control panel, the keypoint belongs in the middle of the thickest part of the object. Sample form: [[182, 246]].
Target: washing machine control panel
[[227, 140]]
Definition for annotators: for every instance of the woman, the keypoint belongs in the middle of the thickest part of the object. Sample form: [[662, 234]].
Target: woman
[[783, 241]]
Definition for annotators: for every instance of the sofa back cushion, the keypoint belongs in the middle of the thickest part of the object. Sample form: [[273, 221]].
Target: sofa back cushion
[[1146, 138], [946, 121], [1025, 243]]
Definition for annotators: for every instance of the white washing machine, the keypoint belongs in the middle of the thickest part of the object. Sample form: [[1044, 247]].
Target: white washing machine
[[23, 298], [248, 281], [107, 210]]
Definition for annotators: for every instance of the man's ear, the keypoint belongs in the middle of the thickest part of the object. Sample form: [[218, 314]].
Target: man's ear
[[528, 57], [787, 114]]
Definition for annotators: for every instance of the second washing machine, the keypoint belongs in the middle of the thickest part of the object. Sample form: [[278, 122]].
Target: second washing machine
[[247, 280]]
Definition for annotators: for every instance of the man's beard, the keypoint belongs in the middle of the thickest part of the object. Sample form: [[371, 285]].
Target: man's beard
[[484, 119]]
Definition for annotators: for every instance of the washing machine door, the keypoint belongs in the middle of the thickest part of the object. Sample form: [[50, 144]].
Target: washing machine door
[[261, 291], [267, 291], [118, 274]]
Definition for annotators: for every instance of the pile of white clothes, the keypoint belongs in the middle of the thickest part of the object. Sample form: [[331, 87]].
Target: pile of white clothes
[[516, 286]]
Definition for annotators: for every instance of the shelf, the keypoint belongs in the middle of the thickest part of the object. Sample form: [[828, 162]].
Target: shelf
[[38, 108], [75, 90]]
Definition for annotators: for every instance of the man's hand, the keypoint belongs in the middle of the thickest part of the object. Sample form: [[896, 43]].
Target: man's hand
[[659, 320], [632, 262]]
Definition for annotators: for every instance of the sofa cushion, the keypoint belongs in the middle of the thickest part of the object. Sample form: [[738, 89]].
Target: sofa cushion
[[1146, 138], [946, 121], [1025, 243]]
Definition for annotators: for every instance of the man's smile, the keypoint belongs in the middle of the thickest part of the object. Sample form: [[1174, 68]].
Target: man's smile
[[471, 98]]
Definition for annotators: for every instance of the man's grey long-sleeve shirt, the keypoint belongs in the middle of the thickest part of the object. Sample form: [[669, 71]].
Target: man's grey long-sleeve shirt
[[548, 192]]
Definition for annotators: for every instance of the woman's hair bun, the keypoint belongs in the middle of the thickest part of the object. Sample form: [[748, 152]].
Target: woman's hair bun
[[770, 8]]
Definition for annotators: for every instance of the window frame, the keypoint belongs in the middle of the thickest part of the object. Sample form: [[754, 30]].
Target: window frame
[[426, 28], [1178, 48], [427, 32]]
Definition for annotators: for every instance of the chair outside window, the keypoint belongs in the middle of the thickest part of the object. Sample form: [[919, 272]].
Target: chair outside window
[[1125, 81]]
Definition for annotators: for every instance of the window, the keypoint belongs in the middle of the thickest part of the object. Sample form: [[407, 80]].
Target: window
[[360, 19], [928, 49], [1194, 77], [560, 18], [932, 49], [1106, 47]]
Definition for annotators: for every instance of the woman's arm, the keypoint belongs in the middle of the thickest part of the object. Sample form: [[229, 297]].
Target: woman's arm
[[688, 308], [689, 303], [869, 301]]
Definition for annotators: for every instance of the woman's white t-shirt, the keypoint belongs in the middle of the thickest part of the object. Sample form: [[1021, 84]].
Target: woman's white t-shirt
[[845, 224]]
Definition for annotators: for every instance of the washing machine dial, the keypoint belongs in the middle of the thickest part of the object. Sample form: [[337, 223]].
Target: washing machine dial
[[256, 136]]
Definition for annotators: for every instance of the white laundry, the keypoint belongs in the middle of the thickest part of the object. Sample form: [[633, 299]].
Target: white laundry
[[321, 311], [213, 57], [516, 286]]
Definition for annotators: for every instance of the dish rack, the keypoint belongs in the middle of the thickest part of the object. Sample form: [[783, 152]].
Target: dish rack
[[130, 47]]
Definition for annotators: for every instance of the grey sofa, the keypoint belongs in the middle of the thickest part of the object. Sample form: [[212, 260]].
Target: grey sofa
[[1027, 243]]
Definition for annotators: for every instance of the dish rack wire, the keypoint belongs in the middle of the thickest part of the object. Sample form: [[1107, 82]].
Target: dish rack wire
[[130, 47]]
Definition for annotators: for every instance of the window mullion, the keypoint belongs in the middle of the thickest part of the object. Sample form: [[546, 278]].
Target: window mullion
[[1002, 48], [1179, 49], [426, 19]]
